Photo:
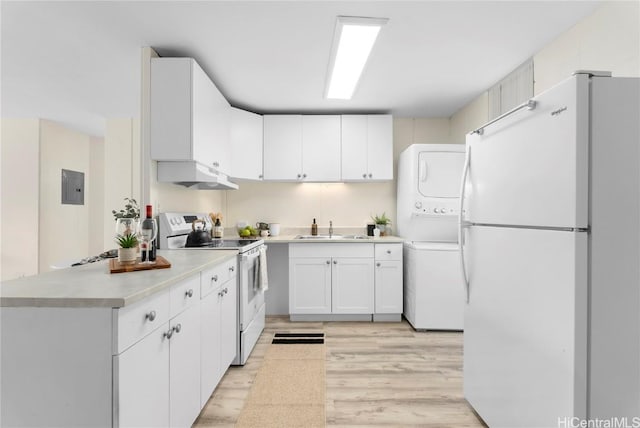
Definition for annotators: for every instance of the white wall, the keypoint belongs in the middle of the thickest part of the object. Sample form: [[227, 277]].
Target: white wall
[[64, 229], [346, 204], [19, 187], [608, 39], [96, 190]]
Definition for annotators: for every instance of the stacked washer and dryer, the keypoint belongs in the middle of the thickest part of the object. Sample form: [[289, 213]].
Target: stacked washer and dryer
[[427, 218]]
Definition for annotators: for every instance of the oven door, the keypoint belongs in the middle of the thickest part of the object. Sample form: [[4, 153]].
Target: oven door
[[251, 297]]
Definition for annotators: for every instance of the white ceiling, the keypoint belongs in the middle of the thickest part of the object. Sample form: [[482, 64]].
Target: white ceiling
[[79, 62]]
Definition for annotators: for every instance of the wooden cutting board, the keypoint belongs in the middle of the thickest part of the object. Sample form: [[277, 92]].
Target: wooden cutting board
[[116, 267]]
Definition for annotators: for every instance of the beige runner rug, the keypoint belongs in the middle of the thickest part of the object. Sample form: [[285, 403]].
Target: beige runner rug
[[289, 389]]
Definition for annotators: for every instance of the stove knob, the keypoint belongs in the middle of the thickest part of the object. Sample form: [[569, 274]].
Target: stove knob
[[418, 204], [435, 210]]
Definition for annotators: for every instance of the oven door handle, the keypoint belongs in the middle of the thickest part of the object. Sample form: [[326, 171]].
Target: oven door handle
[[252, 256]]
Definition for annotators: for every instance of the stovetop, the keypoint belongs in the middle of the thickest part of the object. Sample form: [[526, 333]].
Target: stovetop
[[228, 243]]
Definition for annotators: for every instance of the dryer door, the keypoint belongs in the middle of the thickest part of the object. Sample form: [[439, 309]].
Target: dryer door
[[439, 174]]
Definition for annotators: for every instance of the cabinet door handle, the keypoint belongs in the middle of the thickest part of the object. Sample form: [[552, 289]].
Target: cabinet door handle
[[220, 294], [168, 334], [364, 175], [232, 268], [299, 176], [177, 328], [370, 175], [189, 293], [260, 176], [378, 264], [216, 164], [388, 251], [335, 262], [328, 262], [151, 316], [214, 278], [226, 290], [304, 175]]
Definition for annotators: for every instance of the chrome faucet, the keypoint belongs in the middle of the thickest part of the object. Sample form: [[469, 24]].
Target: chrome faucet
[[330, 228]]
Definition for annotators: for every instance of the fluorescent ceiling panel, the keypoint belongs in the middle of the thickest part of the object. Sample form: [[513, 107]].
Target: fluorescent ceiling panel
[[352, 44]]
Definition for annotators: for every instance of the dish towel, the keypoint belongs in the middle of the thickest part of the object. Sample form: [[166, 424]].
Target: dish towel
[[263, 280]]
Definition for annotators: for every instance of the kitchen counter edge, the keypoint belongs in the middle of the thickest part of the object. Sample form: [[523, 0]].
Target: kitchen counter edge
[[92, 285], [291, 239]]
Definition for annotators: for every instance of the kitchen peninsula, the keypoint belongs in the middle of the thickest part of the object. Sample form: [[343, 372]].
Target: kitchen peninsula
[[83, 347]]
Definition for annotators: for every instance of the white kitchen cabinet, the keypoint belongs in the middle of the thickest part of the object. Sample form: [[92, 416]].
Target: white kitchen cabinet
[[218, 315], [388, 279], [321, 148], [352, 290], [282, 147], [302, 148], [331, 279], [190, 118], [246, 144], [158, 377], [367, 147], [184, 368], [310, 285], [142, 382]]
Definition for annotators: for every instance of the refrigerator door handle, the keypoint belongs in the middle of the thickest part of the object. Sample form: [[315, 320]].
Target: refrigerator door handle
[[461, 222]]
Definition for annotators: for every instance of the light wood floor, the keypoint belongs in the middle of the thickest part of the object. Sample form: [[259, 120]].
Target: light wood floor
[[383, 374]]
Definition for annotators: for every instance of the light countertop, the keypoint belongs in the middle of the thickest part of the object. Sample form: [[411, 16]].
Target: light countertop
[[92, 285], [290, 239]]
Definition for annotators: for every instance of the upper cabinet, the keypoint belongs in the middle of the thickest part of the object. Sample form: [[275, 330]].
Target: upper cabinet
[[302, 148], [190, 118], [367, 147], [246, 145]]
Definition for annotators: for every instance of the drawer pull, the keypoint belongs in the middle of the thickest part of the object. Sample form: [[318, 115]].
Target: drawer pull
[[378, 264], [177, 328], [189, 293], [168, 334], [388, 251], [214, 278], [151, 316]]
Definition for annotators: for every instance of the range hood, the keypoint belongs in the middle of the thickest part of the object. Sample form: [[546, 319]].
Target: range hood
[[194, 175]]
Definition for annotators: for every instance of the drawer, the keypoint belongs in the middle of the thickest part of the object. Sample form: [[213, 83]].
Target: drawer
[[184, 294], [136, 321], [388, 252], [212, 278]]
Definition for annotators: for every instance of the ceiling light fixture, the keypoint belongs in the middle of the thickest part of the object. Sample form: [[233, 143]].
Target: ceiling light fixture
[[352, 44]]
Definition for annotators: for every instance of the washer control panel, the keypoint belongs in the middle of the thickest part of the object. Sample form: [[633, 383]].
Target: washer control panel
[[435, 208]]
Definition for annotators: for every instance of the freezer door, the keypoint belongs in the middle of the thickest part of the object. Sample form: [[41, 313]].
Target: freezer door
[[525, 339], [531, 167]]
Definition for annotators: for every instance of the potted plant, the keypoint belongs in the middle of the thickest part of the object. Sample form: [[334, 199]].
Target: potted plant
[[127, 219], [128, 251], [381, 221]]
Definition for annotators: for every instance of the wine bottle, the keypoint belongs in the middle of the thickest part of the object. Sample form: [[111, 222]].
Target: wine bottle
[[148, 230]]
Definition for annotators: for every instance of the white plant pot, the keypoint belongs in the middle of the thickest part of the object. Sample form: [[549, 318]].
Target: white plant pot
[[383, 229], [127, 255]]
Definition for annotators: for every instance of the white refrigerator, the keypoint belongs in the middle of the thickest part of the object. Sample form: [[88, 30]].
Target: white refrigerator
[[549, 237]]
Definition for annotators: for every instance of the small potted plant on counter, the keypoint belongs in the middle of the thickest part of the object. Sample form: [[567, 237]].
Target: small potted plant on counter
[[127, 219], [128, 251], [382, 222]]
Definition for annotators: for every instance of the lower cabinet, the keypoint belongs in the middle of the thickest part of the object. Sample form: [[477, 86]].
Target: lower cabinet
[[388, 278], [345, 279], [218, 320], [142, 382], [331, 279], [310, 282], [352, 290], [184, 368]]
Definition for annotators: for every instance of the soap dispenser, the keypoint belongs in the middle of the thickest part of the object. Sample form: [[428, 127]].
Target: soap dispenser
[[314, 228]]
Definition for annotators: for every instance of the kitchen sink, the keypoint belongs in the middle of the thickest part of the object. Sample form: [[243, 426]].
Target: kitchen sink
[[319, 237]]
